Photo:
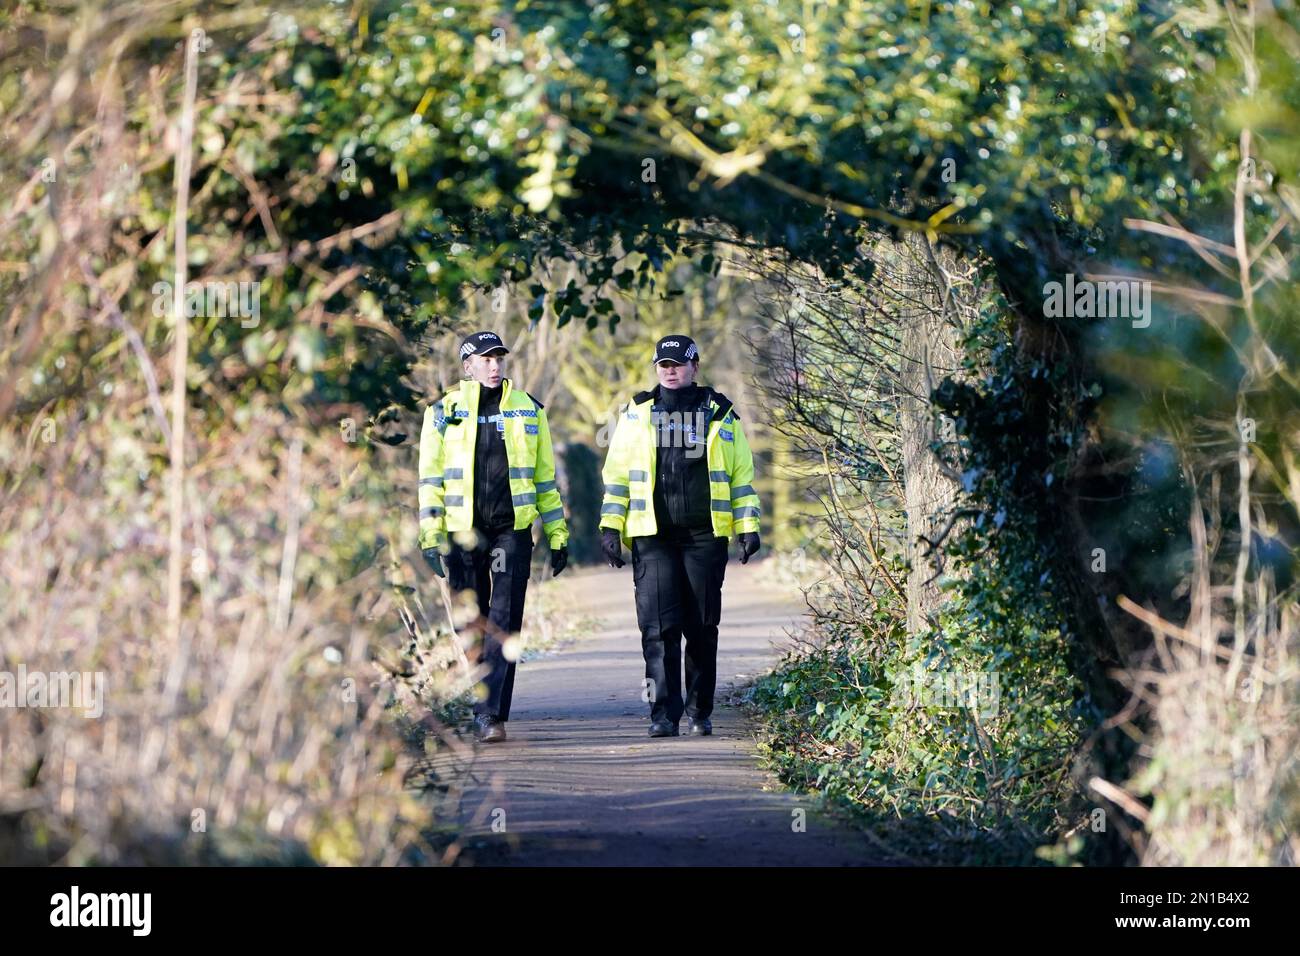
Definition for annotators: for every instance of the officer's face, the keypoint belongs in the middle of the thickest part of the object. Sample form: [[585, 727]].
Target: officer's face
[[487, 370], [672, 375]]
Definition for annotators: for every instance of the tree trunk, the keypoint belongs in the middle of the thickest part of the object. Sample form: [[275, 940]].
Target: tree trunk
[[931, 306]]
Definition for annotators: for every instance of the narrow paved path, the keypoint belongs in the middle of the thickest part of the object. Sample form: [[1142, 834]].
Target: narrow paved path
[[579, 782]]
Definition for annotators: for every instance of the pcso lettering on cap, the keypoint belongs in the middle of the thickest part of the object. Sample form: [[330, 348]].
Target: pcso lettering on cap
[[481, 343], [679, 349]]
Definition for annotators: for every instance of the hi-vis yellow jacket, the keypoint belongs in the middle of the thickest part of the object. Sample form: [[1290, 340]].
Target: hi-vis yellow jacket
[[446, 490], [629, 472]]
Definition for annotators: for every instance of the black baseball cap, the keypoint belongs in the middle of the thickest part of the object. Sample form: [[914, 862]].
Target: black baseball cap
[[676, 348], [481, 343]]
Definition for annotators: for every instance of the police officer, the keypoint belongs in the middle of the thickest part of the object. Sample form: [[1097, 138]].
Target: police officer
[[486, 465], [678, 481]]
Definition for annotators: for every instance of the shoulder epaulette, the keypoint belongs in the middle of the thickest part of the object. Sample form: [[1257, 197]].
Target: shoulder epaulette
[[724, 406]]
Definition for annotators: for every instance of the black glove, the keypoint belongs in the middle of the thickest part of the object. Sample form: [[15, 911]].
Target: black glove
[[559, 560], [433, 558], [748, 545], [611, 544]]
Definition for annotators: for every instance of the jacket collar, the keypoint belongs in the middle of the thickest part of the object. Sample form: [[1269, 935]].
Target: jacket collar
[[654, 393], [721, 404], [470, 390]]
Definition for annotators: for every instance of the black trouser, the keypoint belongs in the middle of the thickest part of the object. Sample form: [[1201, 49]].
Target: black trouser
[[678, 578], [497, 571]]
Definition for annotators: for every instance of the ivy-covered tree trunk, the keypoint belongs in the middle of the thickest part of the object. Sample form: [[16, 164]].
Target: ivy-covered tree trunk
[[933, 292]]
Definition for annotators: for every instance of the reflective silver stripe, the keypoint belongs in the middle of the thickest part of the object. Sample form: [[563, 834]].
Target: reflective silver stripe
[[454, 473], [636, 504], [545, 486], [527, 498], [741, 490], [749, 511], [521, 472], [613, 509], [717, 505], [638, 476], [430, 512], [433, 480], [617, 490], [719, 476], [454, 500], [553, 515]]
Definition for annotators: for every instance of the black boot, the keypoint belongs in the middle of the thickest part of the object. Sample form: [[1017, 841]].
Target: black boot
[[700, 728], [489, 729], [663, 728]]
